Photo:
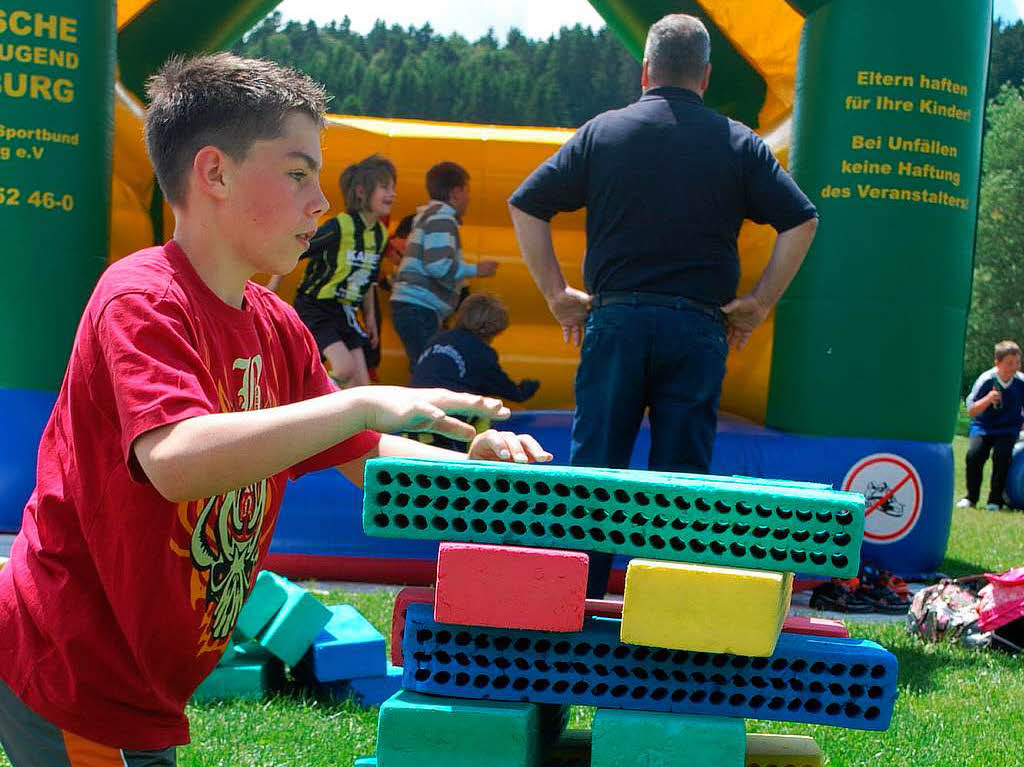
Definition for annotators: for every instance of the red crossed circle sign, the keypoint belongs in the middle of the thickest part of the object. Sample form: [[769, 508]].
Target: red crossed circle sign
[[892, 493]]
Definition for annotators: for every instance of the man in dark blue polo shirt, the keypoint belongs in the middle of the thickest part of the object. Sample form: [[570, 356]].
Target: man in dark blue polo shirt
[[667, 182]]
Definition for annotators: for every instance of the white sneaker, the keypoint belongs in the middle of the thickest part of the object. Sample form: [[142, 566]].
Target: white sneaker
[[964, 503]]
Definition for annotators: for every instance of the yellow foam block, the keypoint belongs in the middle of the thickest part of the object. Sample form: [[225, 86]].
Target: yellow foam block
[[782, 751], [704, 608]]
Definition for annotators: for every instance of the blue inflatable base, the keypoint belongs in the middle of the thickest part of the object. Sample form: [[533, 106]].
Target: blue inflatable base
[[908, 487]]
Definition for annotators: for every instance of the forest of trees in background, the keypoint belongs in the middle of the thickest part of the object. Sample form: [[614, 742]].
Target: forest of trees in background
[[562, 81], [416, 73]]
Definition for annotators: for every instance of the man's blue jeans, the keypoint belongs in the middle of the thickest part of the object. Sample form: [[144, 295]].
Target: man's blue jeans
[[636, 357], [415, 326]]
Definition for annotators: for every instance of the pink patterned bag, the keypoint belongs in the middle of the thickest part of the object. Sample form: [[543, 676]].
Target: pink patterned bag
[[1002, 600]]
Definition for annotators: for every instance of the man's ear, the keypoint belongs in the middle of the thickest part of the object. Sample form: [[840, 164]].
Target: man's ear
[[210, 172], [705, 79], [645, 77]]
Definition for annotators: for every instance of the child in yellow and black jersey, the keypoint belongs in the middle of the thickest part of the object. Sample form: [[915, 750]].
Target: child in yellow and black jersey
[[344, 262]]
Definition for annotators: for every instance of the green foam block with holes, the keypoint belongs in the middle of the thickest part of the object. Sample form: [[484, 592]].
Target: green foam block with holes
[[731, 522]]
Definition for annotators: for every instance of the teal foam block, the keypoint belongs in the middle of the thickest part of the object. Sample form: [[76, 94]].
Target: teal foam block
[[661, 739], [349, 647], [415, 730], [267, 597], [366, 761], [248, 674], [779, 526], [292, 631]]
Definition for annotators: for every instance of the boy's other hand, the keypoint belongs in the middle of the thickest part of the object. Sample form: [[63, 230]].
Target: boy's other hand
[[486, 268], [493, 445], [390, 409]]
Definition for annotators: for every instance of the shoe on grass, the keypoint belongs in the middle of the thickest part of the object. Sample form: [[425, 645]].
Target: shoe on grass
[[965, 503], [994, 507]]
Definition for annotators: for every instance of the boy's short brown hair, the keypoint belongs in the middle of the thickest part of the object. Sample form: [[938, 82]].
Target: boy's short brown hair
[[220, 100], [1005, 349], [358, 181], [443, 178], [484, 315]]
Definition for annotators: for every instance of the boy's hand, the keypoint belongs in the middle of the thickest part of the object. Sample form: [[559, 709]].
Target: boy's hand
[[390, 409], [373, 334], [486, 268], [493, 445]]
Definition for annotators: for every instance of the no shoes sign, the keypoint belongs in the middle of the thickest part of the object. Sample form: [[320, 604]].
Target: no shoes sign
[[892, 493]]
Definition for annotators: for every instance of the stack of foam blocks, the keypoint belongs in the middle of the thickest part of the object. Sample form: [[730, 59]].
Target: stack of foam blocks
[[333, 650], [494, 656]]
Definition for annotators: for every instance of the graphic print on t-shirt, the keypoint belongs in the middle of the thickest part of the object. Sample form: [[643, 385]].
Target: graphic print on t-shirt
[[226, 540]]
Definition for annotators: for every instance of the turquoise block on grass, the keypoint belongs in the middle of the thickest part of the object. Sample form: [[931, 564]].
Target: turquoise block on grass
[[292, 631], [656, 739], [248, 674], [416, 730], [349, 647], [267, 597], [366, 761]]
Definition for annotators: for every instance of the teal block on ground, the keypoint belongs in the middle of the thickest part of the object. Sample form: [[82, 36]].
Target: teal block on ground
[[415, 730], [656, 739], [292, 631], [366, 761], [267, 597], [778, 526], [248, 674], [348, 647]]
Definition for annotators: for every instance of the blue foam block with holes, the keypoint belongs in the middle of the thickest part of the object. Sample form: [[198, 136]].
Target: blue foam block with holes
[[348, 647], [848, 683]]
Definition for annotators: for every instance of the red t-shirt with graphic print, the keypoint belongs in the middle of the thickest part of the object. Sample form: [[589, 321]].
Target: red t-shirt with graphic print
[[116, 603]]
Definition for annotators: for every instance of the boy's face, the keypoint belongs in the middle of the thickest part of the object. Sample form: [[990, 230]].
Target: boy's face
[[458, 198], [274, 198], [1008, 366], [382, 199]]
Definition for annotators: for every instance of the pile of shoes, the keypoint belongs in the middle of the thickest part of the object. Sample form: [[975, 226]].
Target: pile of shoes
[[874, 590]]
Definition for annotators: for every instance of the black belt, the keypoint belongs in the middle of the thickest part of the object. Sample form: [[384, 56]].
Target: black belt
[[640, 298]]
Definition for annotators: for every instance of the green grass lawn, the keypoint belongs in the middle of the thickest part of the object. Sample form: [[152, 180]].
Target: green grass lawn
[[957, 708]]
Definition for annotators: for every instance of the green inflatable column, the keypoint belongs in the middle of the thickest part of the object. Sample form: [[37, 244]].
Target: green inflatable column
[[887, 143], [56, 134]]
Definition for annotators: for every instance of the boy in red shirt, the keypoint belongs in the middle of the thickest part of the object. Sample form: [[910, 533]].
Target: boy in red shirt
[[192, 396]]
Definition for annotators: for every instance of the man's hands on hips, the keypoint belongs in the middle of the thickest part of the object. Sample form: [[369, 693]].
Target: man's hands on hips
[[570, 308], [742, 316]]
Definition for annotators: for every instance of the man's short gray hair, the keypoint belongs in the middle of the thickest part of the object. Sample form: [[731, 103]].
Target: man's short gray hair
[[677, 51]]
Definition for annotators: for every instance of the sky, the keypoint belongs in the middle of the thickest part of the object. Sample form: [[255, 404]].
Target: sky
[[537, 19], [1009, 10]]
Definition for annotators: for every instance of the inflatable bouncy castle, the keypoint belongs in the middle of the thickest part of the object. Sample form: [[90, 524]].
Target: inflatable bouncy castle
[[876, 108]]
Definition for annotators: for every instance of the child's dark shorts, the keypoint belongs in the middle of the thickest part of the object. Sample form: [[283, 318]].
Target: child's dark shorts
[[332, 321]]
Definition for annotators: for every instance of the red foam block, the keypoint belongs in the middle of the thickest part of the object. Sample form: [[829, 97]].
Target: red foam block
[[410, 595], [511, 587]]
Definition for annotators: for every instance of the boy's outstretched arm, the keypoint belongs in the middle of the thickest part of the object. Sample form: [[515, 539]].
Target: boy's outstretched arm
[[211, 454], [491, 445]]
